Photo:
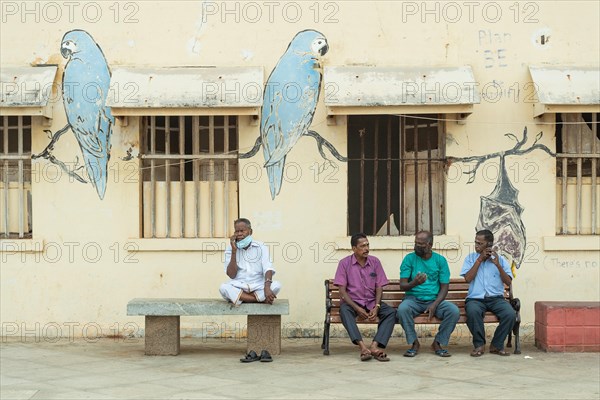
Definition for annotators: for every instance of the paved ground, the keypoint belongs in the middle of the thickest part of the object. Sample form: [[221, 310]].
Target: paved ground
[[210, 369]]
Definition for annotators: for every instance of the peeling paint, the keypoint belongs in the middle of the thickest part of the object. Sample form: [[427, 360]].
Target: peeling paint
[[382, 86], [187, 87], [26, 86], [566, 85], [247, 55], [541, 38]]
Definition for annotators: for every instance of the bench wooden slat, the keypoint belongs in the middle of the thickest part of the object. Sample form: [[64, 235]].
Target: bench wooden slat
[[421, 319], [456, 285], [335, 304]]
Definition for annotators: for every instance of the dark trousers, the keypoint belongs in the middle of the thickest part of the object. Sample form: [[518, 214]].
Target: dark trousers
[[476, 309], [387, 319]]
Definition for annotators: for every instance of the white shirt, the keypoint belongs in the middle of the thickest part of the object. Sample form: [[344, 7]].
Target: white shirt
[[252, 262]]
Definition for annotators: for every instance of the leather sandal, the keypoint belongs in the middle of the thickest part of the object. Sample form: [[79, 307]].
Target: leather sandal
[[366, 356], [496, 351], [250, 357], [478, 352], [265, 356]]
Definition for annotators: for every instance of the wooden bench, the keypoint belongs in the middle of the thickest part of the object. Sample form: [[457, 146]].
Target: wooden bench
[[392, 295], [162, 321]]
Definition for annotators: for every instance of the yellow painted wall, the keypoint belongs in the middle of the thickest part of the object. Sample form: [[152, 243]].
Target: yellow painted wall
[[60, 277]]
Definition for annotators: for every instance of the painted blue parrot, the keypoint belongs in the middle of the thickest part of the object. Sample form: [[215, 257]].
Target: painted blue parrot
[[85, 85], [289, 102]]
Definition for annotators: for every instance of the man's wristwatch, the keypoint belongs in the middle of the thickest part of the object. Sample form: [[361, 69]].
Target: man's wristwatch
[[268, 280], [378, 305]]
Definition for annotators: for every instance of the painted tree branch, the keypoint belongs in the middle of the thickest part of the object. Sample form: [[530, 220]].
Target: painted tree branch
[[47, 154], [254, 150], [515, 151], [321, 141]]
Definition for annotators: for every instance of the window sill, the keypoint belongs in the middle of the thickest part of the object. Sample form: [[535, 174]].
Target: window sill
[[21, 246], [177, 244], [571, 242], [440, 242]]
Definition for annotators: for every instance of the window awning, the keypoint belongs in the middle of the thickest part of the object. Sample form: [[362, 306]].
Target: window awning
[[398, 90], [27, 90], [186, 91], [565, 89]]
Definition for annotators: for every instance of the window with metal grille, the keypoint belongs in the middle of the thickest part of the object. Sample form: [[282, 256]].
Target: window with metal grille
[[189, 176], [395, 174], [577, 173], [15, 173]]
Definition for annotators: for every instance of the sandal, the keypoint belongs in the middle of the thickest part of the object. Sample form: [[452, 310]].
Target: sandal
[[494, 350], [381, 356], [411, 353], [442, 353], [250, 357], [366, 356], [478, 352], [265, 356]]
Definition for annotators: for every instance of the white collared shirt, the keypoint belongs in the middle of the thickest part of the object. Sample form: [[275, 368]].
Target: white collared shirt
[[252, 262]]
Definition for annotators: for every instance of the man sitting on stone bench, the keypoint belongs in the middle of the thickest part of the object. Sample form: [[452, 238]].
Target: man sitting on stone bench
[[248, 265]]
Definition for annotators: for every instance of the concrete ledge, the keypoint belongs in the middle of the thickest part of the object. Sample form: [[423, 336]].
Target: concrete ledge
[[571, 242], [173, 307], [567, 326], [406, 243]]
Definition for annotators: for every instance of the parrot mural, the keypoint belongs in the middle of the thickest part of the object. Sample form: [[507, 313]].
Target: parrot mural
[[500, 211], [85, 85], [289, 103]]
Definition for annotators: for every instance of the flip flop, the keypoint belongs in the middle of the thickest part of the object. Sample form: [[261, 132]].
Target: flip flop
[[381, 356], [365, 356], [250, 357], [265, 356], [499, 352], [442, 353], [478, 352], [411, 353]]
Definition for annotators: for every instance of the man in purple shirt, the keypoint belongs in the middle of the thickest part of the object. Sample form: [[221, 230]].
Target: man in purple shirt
[[360, 278]]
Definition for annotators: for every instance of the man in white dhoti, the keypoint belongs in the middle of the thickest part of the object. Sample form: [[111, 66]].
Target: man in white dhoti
[[247, 264]]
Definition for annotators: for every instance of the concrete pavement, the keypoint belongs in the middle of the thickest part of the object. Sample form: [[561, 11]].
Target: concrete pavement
[[210, 369]]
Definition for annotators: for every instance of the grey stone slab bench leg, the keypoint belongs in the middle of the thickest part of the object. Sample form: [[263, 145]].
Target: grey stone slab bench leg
[[162, 335], [264, 333]]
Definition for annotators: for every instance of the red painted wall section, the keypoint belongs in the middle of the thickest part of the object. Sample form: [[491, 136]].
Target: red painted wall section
[[572, 326]]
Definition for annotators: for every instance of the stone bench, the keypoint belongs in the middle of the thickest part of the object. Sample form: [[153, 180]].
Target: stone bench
[[162, 321]]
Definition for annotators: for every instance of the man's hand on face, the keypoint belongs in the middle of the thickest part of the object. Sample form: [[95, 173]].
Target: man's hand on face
[[233, 243], [486, 253], [494, 258]]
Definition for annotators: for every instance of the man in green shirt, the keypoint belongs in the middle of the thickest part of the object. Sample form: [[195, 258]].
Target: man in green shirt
[[425, 276]]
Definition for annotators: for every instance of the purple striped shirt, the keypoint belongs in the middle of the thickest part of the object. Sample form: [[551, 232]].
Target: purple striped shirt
[[361, 282]]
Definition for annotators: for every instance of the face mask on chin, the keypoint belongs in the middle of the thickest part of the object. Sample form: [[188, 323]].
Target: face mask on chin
[[245, 242], [420, 251]]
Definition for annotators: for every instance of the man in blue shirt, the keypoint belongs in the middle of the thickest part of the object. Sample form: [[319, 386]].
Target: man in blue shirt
[[487, 273]]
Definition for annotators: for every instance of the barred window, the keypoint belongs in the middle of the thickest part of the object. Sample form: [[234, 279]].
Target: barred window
[[577, 173], [395, 174], [189, 176], [15, 173]]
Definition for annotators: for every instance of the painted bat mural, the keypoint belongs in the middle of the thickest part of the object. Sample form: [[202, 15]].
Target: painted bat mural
[[500, 211]]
